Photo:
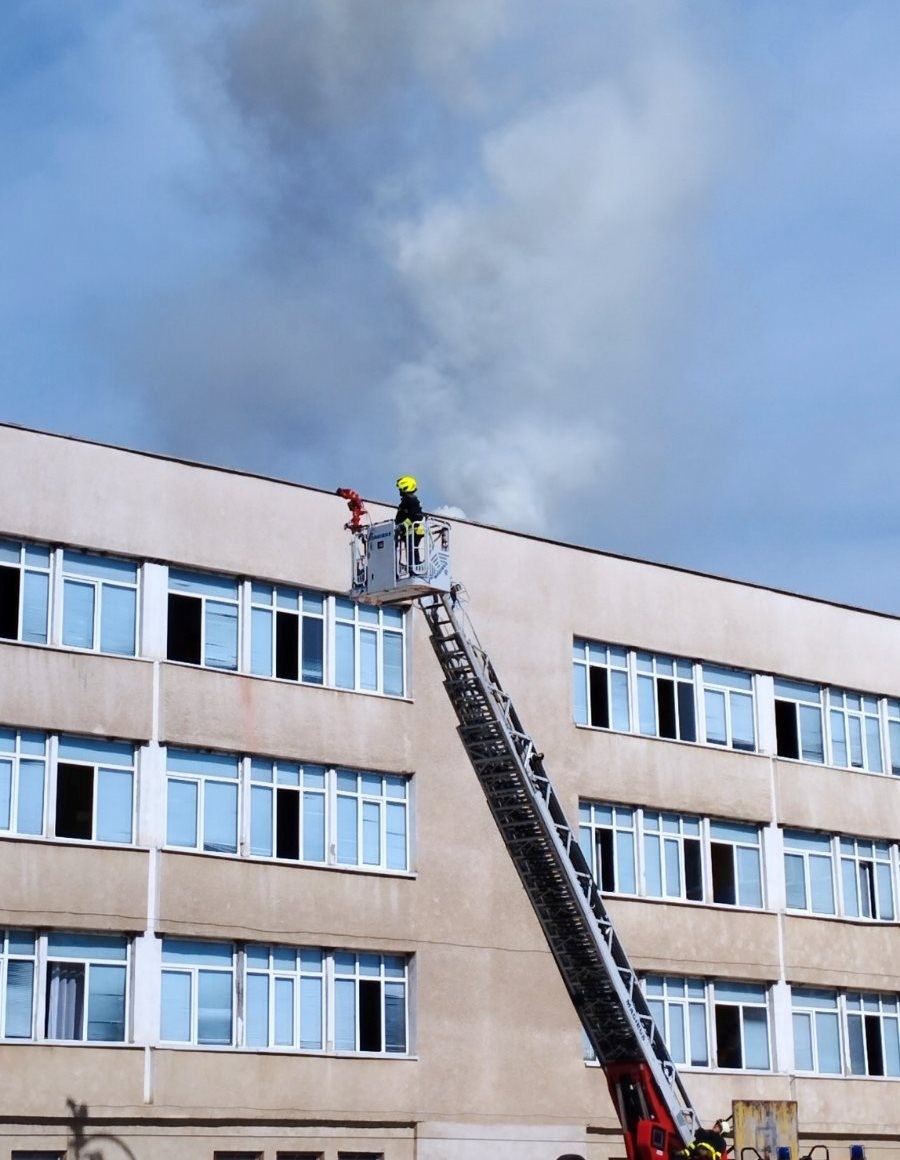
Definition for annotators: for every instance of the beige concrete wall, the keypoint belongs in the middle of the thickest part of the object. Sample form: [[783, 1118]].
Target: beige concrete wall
[[829, 952], [52, 689], [838, 801], [71, 886]]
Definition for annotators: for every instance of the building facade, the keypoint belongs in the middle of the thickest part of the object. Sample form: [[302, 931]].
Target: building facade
[[254, 905]]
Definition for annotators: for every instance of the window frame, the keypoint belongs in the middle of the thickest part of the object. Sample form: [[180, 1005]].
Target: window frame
[[28, 565], [93, 565]]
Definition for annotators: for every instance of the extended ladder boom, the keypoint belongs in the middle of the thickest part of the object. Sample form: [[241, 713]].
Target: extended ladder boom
[[656, 1115]]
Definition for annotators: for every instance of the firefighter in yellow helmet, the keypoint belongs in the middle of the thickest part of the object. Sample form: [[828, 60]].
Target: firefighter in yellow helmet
[[708, 1144], [408, 520]]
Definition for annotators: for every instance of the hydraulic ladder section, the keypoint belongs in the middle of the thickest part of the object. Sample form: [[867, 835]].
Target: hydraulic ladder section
[[656, 1114]]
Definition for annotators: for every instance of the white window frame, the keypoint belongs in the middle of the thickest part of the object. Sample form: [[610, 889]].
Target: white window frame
[[721, 1000], [366, 619], [192, 971], [673, 999], [275, 972], [68, 570], [206, 600], [809, 1007], [358, 976], [818, 846], [864, 857], [8, 956], [15, 756], [32, 566], [47, 957], [855, 712]]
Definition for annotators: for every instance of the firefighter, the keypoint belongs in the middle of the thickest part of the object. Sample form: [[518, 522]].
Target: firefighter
[[708, 1144], [408, 520]]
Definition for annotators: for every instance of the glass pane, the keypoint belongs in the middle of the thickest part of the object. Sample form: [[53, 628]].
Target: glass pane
[[214, 1007], [284, 1012], [181, 813], [811, 734], [828, 1043], [347, 830], [715, 717], [5, 794], [106, 1004], [699, 1038], [220, 817], [393, 664], [345, 661], [88, 946], [856, 753], [673, 869], [117, 620], [345, 1014], [30, 819], [313, 827], [311, 1014], [873, 746], [653, 866], [803, 1046], [257, 1030], [371, 833], [838, 739], [114, 805], [368, 659], [743, 734], [175, 1007], [197, 953], [394, 1017], [821, 885], [19, 999], [857, 1046], [677, 1039], [579, 694], [36, 602], [313, 651], [202, 584], [221, 635], [261, 642], [625, 851], [848, 883], [749, 877], [396, 836], [261, 821], [756, 1038], [78, 614], [620, 716], [646, 707], [885, 892]]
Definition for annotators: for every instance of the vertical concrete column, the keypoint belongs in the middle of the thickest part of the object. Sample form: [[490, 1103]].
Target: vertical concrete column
[[765, 713], [154, 610]]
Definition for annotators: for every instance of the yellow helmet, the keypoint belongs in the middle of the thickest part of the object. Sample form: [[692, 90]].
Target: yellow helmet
[[406, 484]]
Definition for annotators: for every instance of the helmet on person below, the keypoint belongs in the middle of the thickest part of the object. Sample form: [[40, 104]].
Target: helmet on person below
[[406, 484]]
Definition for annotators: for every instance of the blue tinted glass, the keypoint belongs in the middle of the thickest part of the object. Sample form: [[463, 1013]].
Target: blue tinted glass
[[795, 882], [653, 865], [873, 745], [35, 604], [803, 1046], [30, 818], [114, 805], [196, 953], [646, 706], [181, 817], [287, 598], [821, 885], [99, 567], [261, 593], [314, 776], [313, 602], [828, 1043], [106, 1004], [258, 955], [284, 1012], [743, 733], [797, 690], [347, 780], [394, 1017], [811, 734], [314, 827], [344, 609], [257, 1015], [699, 1050], [368, 659], [311, 1014], [221, 635], [345, 1015], [10, 552], [714, 702], [214, 1016], [7, 740], [175, 1007], [261, 770], [78, 614], [87, 946], [756, 1038], [200, 584], [33, 742], [195, 761], [740, 992], [37, 556], [117, 620], [620, 714], [19, 999], [220, 817], [579, 694], [261, 642], [396, 836], [393, 664], [261, 821], [313, 651], [5, 793], [371, 821], [749, 877], [345, 662], [89, 749], [627, 882], [347, 830], [288, 773]]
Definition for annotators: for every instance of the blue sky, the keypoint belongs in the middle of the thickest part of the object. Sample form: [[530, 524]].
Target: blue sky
[[620, 274]]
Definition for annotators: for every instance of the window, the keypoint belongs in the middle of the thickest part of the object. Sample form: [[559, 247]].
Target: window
[[817, 1038], [661, 696], [285, 998], [41, 1154], [873, 1034], [298, 1156], [24, 592], [728, 707], [237, 1155], [855, 731], [280, 998], [298, 812], [866, 879], [742, 1025], [17, 975], [672, 856], [86, 985], [202, 808], [679, 1010], [99, 603], [798, 720], [92, 798], [893, 724], [607, 840], [203, 619], [197, 992], [369, 648], [370, 1003], [735, 864], [371, 819], [662, 855], [94, 790], [360, 1156], [287, 633], [809, 872], [23, 770]]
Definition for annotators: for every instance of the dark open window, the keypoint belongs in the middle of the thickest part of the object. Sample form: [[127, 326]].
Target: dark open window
[[9, 602], [786, 734], [599, 683], [606, 862], [728, 1036], [693, 871], [287, 833], [724, 884], [74, 801], [287, 646], [370, 1037], [185, 629]]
